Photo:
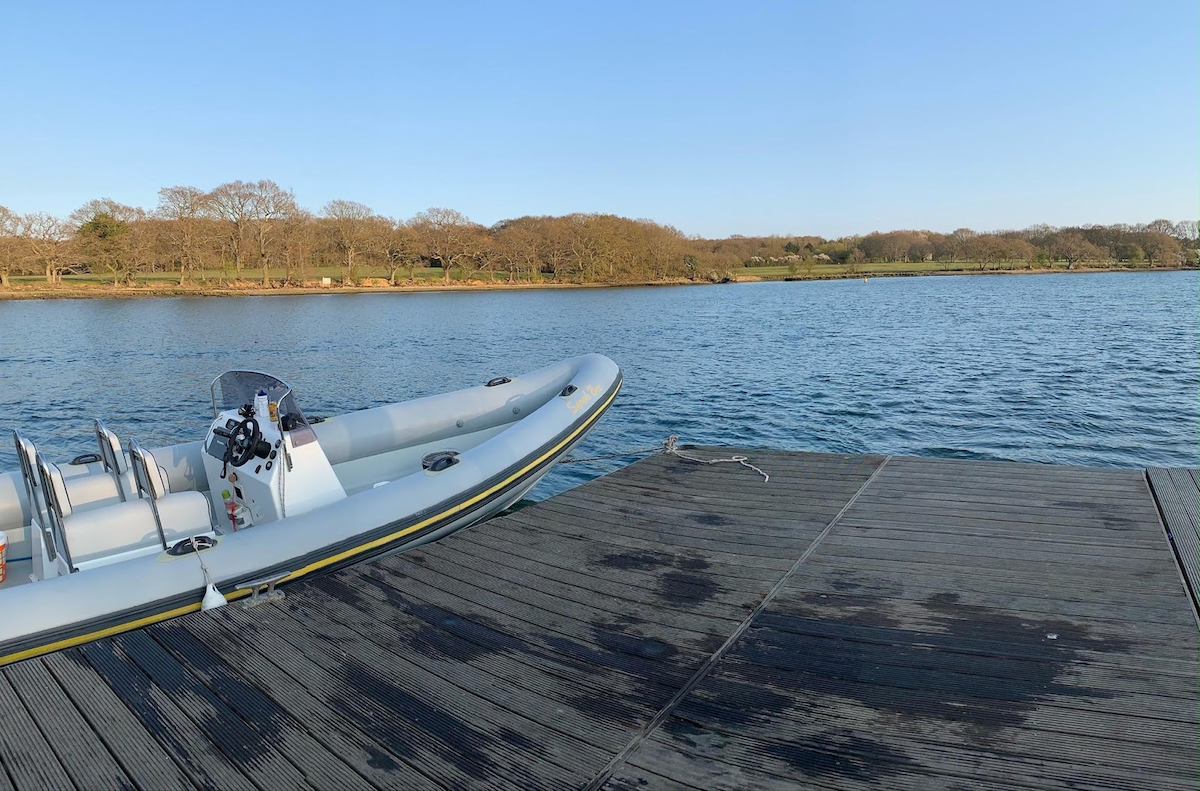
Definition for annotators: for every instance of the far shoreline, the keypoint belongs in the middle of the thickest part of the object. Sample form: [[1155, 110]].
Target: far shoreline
[[26, 292]]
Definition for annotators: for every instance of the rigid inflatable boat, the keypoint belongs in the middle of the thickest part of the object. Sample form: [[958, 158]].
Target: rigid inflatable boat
[[131, 536]]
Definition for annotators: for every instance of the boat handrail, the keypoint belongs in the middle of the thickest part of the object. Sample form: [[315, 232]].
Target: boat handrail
[[46, 472], [38, 510], [110, 455]]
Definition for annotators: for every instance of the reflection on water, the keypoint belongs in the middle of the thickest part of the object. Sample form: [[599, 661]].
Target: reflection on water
[[1094, 369]]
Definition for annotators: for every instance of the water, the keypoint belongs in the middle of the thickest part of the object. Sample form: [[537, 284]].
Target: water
[[1070, 369]]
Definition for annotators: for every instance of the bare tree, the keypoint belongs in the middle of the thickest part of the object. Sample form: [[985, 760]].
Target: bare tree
[[555, 247], [297, 236], [402, 249], [351, 227], [242, 222], [664, 250], [449, 237], [10, 227], [269, 206], [586, 249], [142, 243], [1162, 249], [120, 211], [1072, 247], [104, 239], [185, 208], [45, 237], [233, 203], [518, 248], [854, 258]]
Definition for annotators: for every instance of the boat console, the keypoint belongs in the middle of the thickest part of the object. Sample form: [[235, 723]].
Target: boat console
[[261, 456]]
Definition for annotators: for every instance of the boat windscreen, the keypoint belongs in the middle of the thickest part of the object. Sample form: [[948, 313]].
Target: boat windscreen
[[233, 388]]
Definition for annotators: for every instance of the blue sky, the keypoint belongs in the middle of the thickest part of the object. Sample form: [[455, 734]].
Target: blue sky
[[785, 117]]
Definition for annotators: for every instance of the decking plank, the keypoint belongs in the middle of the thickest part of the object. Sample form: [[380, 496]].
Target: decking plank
[[321, 767], [657, 603], [140, 755], [292, 683], [479, 656], [78, 748], [503, 728], [601, 569], [554, 648], [25, 754], [366, 756], [204, 763], [257, 758], [1178, 498], [359, 693]]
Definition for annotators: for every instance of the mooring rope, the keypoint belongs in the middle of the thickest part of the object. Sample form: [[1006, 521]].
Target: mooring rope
[[638, 452], [208, 580], [212, 598], [670, 447]]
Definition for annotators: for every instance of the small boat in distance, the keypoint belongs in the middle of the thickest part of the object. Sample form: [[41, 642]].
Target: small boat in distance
[[128, 537]]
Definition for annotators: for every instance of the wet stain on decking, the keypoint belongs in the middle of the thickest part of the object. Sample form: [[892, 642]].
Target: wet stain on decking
[[680, 580]]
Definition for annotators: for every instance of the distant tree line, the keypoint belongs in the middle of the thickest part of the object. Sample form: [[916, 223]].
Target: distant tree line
[[1159, 243], [258, 226]]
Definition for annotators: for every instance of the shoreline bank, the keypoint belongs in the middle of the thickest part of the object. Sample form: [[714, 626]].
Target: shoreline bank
[[41, 291]]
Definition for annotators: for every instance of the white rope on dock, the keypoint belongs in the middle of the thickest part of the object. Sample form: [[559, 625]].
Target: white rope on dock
[[670, 447]]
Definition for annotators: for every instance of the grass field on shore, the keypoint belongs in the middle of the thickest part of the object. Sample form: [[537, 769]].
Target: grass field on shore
[[219, 282]]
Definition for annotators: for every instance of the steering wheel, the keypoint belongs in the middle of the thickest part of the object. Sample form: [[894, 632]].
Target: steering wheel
[[242, 441]]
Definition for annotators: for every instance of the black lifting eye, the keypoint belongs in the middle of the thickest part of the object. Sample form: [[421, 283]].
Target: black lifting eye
[[499, 380], [186, 546], [566, 391], [86, 458], [440, 460]]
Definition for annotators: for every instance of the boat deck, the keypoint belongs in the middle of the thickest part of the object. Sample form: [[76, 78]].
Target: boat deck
[[17, 573], [856, 622]]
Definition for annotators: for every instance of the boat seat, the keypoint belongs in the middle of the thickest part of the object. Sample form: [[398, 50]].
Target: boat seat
[[182, 514], [27, 458], [116, 463], [83, 490], [80, 492], [88, 492], [132, 525], [121, 526]]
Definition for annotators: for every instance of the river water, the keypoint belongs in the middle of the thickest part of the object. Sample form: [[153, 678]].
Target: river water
[[1091, 369]]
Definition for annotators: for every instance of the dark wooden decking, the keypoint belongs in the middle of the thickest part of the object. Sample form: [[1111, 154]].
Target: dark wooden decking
[[855, 623], [1178, 495]]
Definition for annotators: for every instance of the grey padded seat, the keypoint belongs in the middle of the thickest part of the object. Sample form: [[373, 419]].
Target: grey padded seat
[[27, 458], [116, 463], [86, 487], [83, 490], [121, 526], [182, 514]]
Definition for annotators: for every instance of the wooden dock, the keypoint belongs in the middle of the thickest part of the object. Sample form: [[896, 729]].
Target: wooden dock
[[857, 622], [1178, 495]]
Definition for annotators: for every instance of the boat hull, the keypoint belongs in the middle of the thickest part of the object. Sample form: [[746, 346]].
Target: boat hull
[[389, 518]]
